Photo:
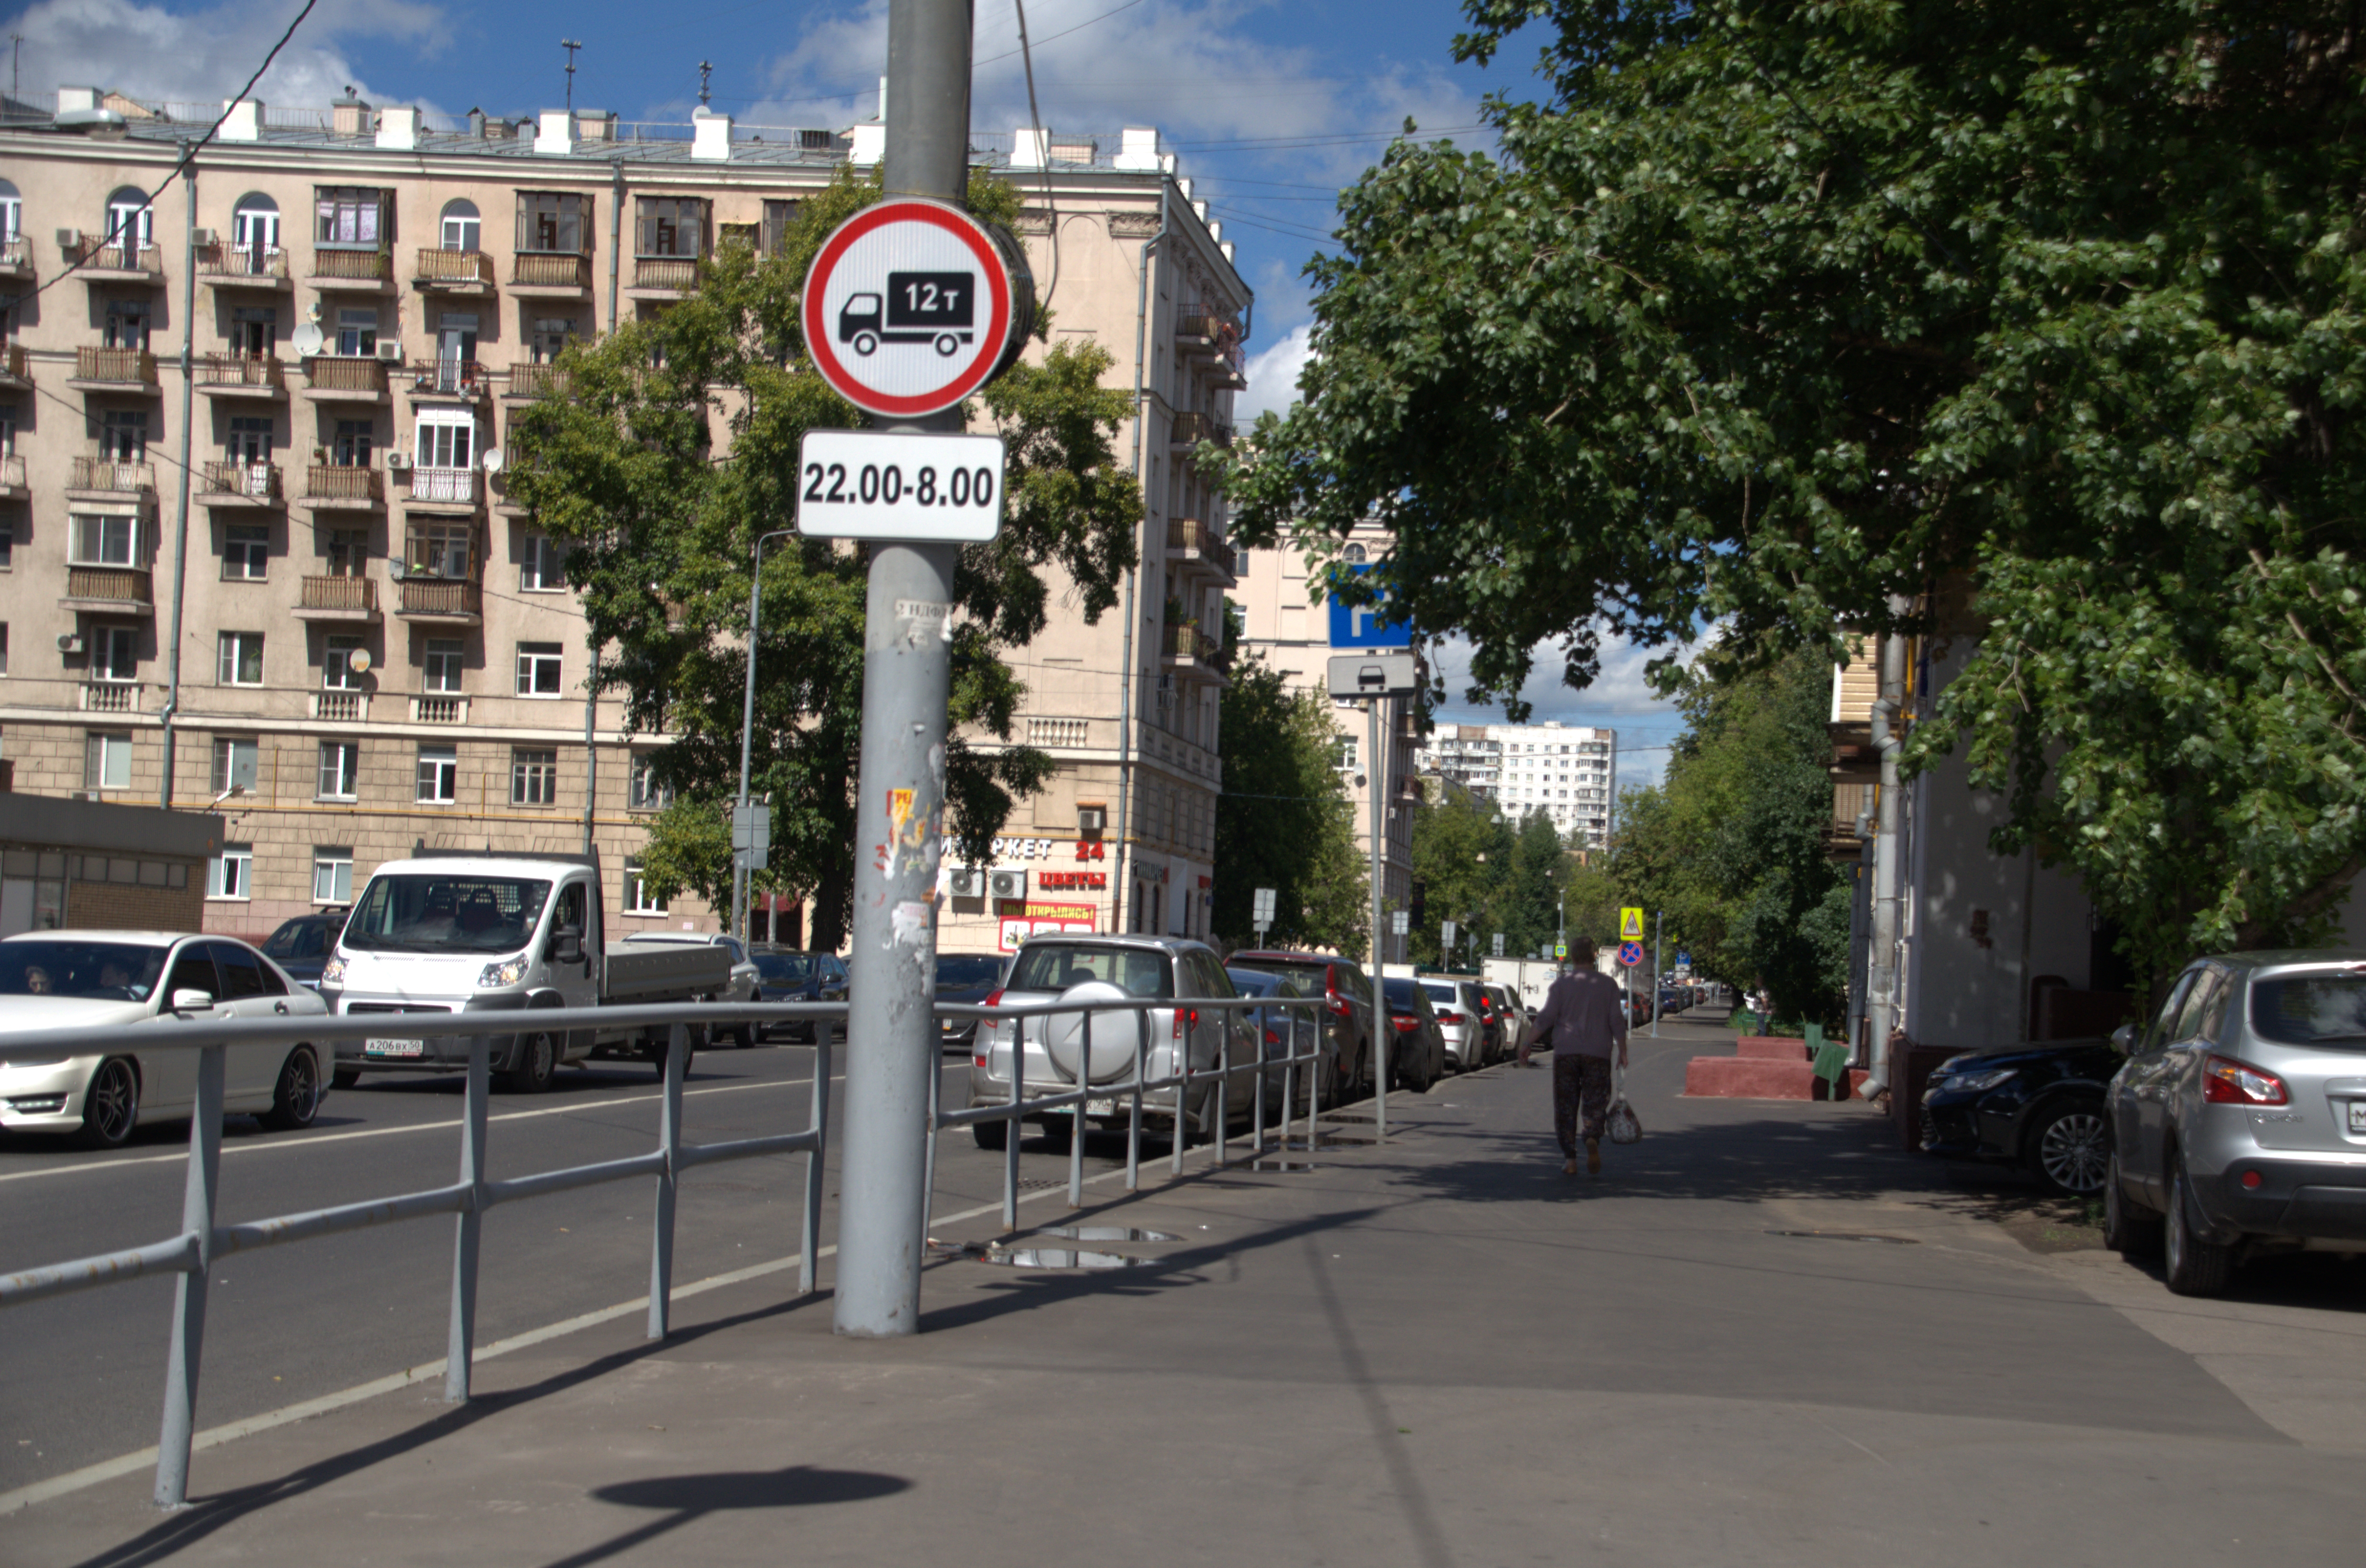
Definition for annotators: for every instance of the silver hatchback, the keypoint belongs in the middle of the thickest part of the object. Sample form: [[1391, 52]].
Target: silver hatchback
[[2239, 1121]]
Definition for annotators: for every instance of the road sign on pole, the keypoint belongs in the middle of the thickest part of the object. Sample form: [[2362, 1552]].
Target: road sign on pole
[[1261, 911], [1561, 949], [883, 485], [912, 305], [1499, 944], [1399, 922], [1630, 925], [1445, 938], [1630, 953], [1367, 625]]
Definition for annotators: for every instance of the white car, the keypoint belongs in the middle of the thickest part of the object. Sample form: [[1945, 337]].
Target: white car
[[56, 980], [747, 981]]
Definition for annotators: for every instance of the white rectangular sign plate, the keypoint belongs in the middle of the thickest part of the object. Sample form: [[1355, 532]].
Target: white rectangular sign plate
[[883, 485]]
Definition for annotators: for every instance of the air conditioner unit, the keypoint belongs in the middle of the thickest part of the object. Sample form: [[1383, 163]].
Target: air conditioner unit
[[70, 239], [396, 462], [69, 643], [1010, 884], [202, 237], [965, 882], [390, 354]]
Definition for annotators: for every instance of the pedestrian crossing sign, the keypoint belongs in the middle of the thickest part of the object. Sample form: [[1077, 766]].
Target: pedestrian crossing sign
[[1630, 925]]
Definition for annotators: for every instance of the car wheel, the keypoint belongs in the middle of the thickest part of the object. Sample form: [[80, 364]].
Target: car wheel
[[991, 1134], [2070, 1147], [537, 1063], [110, 1106], [344, 1077], [2127, 1230], [2195, 1267], [296, 1099]]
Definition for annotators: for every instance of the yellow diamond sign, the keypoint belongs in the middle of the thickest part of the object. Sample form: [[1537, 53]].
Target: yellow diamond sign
[[1630, 925]]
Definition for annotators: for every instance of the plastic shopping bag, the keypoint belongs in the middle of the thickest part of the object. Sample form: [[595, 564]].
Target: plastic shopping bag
[[1621, 1123]]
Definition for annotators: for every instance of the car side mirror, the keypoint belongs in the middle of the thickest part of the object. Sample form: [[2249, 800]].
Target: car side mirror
[[567, 944], [2124, 1039], [189, 999]]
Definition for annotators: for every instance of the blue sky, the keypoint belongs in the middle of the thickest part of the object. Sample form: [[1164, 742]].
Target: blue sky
[[1271, 107]]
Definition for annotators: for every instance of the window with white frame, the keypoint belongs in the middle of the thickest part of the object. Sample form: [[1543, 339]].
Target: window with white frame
[[646, 791], [446, 439], [114, 653], [332, 874], [541, 567], [235, 762], [130, 217], [539, 669], [340, 770], [128, 323], [230, 874], [446, 656], [463, 230], [12, 212], [238, 658], [638, 897], [250, 443], [245, 548], [107, 762], [534, 777], [358, 332], [439, 774], [337, 671], [441, 549], [255, 224]]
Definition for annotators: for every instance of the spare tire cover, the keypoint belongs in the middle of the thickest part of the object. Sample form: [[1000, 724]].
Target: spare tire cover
[[1113, 1032]]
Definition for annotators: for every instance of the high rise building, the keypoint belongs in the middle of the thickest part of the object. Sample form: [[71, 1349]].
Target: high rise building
[[1568, 772]]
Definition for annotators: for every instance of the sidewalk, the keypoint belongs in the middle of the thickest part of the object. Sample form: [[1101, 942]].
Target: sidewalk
[[1440, 1351]]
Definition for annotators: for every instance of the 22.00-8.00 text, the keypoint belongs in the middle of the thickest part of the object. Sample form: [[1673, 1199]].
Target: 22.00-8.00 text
[[876, 484]]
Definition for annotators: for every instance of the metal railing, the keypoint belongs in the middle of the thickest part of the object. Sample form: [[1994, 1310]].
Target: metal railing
[[12, 362], [357, 266], [266, 264], [12, 471], [340, 593], [348, 482], [114, 587], [257, 481], [15, 253], [450, 377], [346, 372], [129, 367], [453, 267], [110, 474], [529, 378], [262, 372], [444, 597], [679, 273], [533, 269]]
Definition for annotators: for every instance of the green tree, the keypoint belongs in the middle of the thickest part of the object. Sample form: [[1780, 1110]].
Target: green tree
[[1465, 861], [1822, 314], [1285, 820], [676, 446], [1541, 869]]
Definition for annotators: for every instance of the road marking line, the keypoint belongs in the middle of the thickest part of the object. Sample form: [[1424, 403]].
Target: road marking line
[[229, 1149]]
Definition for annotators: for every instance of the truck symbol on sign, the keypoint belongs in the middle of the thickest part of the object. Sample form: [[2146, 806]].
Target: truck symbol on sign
[[920, 307]]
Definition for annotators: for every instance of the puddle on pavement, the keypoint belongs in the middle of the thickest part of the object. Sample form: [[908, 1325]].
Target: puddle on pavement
[[1849, 1236], [1292, 1165], [1319, 1142], [1105, 1233], [1059, 1257], [1345, 1117]]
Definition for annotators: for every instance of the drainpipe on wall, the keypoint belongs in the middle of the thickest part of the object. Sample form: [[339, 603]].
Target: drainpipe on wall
[[616, 234], [1881, 1010], [1123, 881], [188, 457]]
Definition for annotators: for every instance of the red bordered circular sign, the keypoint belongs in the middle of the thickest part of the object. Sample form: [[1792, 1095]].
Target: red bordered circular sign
[[910, 305]]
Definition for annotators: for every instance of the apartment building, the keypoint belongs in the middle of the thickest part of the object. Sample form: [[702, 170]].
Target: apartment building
[[1464, 755], [347, 640], [1568, 772]]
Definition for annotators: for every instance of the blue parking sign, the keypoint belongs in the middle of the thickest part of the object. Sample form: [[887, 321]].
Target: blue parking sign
[[1367, 625]]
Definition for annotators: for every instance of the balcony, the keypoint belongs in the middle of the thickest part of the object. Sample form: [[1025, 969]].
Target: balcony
[[1187, 651], [339, 378], [239, 484], [663, 278], [542, 277], [103, 479], [352, 271], [341, 707], [12, 479], [457, 600], [241, 375], [448, 381], [17, 260], [528, 380], [262, 267], [338, 599], [355, 487], [108, 590], [1188, 431], [113, 261], [111, 697], [453, 271], [15, 376], [1191, 542], [443, 489], [439, 710], [112, 370]]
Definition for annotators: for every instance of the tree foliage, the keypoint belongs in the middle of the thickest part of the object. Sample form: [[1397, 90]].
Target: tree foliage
[[1285, 820], [1475, 867], [1811, 311], [675, 448]]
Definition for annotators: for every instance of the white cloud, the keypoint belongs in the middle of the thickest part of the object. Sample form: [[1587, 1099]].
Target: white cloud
[[1620, 699], [203, 57], [1273, 377]]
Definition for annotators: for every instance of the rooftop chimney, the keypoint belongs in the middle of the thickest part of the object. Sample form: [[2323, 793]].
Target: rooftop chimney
[[710, 134], [244, 121], [349, 116], [556, 135], [398, 129]]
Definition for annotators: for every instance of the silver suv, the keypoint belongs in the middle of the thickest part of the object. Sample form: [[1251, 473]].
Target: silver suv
[[2238, 1122], [1170, 970]]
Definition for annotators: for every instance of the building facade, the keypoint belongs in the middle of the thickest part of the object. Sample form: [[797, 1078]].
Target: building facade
[[1569, 772], [345, 635]]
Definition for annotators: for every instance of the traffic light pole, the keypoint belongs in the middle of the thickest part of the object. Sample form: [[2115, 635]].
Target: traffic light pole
[[1383, 1032], [899, 816]]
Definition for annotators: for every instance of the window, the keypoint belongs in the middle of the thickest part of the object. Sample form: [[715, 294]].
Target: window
[[114, 652], [539, 669], [245, 548], [105, 538], [439, 774], [443, 549], [255, 224], [107, 762], [670, 225], [551, 336], [444, 656], [253, 332], [350, 217], [552, 223], [127, 322], [7, 547], [541, 567], [239, 658], [337, 671], [778, 216], [230, 874], [533, 778], [131, 221], [646, 791], [445, 441], [348, 552], [4, 647], [638, 898], [462, 229], [340, 770], [357, 333], [1343, 751], [1354, 554], [352, 447], [123, 436], [12, 212], [234, 763], [250, 442], [332, 875]]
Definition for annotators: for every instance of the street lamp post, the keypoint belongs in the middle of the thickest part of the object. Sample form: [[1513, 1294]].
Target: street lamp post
[[742, 874]]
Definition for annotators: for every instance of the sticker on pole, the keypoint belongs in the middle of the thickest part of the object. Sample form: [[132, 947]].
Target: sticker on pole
[[910, 305], [900, 484], [1630, 953]]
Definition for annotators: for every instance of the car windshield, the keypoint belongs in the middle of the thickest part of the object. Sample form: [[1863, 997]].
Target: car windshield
[[788, 968], [2307, 1009], [446, 913], [1439, 992], [962, 970], [1138, 971], [1251, 983], [306, 936], [95, 971], [1404, 994]]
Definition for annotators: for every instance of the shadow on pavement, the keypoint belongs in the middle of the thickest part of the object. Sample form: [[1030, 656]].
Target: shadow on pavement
[[687, 1498]]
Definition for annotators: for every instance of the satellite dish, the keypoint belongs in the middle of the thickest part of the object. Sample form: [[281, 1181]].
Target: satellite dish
[[359, 660], [493, 460], [307, 339]]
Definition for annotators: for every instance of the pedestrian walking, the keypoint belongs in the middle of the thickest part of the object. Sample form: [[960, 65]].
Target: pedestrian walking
[[1584, 1021]]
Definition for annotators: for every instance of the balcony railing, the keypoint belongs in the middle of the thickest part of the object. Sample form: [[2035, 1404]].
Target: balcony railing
[[1190, 642], [16, 254], [679, 273], [1191, 534], [111, 697], [262, 265], [443, 483], [13, 365], [106, 474], [257, 481], [122, 367], [125, 586], [341, 373], [336, 483], [12, 473], [439, 710], [358, 594], [451, 378], [116, 256], [341, 707], [1190, 430], [440, 596], [453, 267], [534, 271], [1212, 325], [264, 373], [532, 380], [353, 266]]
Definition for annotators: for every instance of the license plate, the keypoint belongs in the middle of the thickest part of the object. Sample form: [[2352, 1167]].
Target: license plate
[[375, 1048], [1094, 1108], [2358, 1117]]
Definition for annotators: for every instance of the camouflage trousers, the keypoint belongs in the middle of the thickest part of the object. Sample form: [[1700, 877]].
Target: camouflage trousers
[[1579, 1084]]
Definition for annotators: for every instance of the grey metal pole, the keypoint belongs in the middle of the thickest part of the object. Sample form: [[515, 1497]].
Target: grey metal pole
[[814, 1160], [187, 1347], [668, 1143], [1659, 947], [1383, 1032], [188, 460], [743, 875], [906, 679], [467, 1225], [590, 747]]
